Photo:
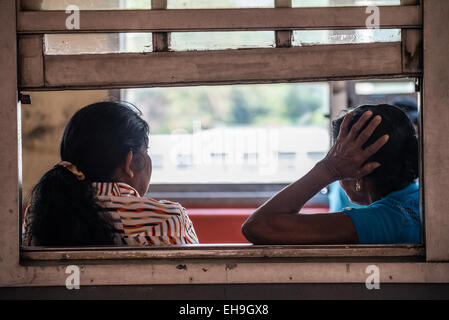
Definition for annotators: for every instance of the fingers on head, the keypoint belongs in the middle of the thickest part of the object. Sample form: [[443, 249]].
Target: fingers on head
[[345, 124], [359, 124], [367, 169], [369, 130], [376, 146]]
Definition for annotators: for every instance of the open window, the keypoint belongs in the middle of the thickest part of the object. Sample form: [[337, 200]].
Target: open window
[[220, 151], [230, 55]]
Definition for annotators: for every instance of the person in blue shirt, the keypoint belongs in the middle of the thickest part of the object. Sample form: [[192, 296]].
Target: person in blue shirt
[[392, 219], [375, 159], [338, 200]]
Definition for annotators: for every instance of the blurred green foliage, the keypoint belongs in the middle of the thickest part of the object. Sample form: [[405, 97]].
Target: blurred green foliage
[[168, 109]]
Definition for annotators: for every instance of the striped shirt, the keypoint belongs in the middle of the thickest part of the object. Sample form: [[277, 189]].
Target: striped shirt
[[138, 220]]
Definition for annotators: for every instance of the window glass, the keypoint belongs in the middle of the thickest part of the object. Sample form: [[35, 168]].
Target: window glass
[[97, 43], [315, 37], [192, 4], [218, 4], [181, 41], [85, 4], [343, 3], [384, 87]]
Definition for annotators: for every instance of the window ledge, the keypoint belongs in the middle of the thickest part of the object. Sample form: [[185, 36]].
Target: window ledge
[[224, 251]]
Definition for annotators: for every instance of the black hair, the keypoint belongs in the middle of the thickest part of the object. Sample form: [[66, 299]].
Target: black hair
[[409, 106], [399, 156], [96, 140]]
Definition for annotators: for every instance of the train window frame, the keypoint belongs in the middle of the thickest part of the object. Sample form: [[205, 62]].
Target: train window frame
[[194, 264]]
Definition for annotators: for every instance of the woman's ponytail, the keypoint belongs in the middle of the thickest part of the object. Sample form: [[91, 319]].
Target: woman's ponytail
[[65, 212]]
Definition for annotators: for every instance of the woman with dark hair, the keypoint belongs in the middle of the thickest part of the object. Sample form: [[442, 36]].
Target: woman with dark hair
[[375, 158], [95, 195]]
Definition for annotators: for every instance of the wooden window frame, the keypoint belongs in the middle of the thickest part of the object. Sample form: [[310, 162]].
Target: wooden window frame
[[21, 50]]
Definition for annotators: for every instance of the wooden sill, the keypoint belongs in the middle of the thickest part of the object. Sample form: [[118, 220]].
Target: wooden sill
[[221, 251]]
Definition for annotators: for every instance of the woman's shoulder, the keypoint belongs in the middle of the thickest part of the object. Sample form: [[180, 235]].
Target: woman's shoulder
[[397, 207], [167, 203], [164, 203], [121, 190], [139, 202], [404, 199], [120, 194], [387, 220]]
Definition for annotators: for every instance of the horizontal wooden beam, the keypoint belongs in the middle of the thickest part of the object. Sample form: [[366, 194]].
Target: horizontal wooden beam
[[218, 19], [222, 251], [308, 63]]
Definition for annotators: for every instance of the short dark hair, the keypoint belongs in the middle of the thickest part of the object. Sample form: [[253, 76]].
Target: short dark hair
[[399, 157], [408, 105]]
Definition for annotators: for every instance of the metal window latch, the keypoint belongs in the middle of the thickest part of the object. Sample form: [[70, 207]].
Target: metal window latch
[[417, 84], [24, 98]]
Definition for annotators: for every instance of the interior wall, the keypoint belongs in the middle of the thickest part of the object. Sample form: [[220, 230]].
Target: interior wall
[[44, 120], [43, 123]]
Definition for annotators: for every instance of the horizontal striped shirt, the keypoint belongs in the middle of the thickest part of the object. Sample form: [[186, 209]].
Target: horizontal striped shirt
[[138, 220]]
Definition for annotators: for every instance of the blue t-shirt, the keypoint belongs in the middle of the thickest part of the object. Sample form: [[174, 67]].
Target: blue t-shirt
[[393, 219]]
